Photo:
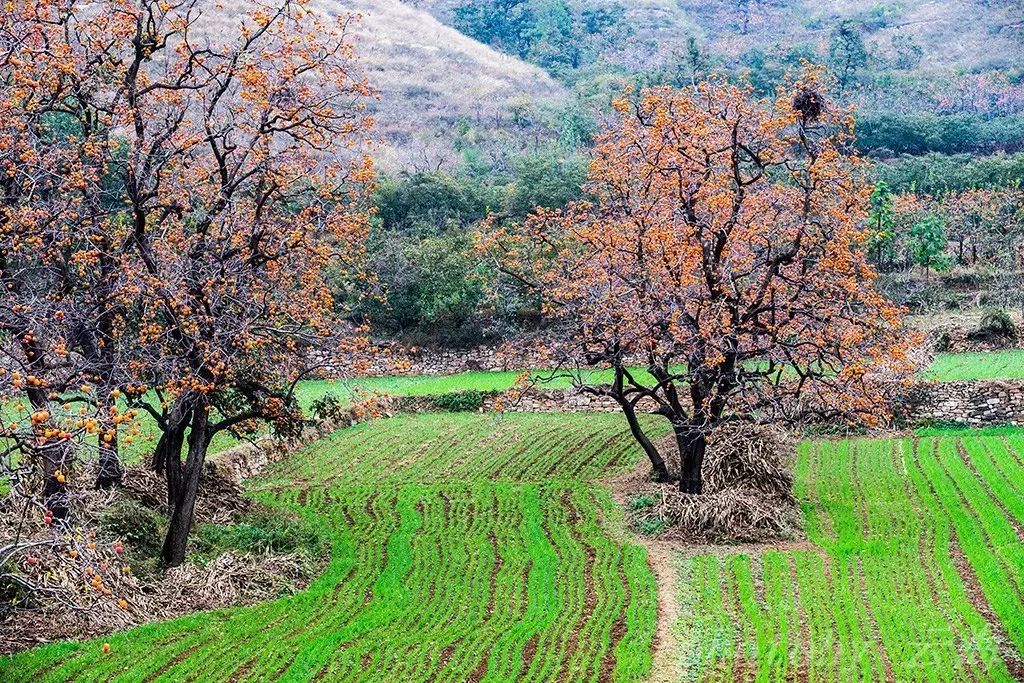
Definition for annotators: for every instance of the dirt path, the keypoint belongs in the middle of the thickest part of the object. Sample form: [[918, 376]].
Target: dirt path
[[665, 668]]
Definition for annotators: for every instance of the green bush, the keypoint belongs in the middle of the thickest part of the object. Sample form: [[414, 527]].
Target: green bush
[[925, 132], [937, 173], [141, 529], [462, 401], [261, 532], [433, 286]]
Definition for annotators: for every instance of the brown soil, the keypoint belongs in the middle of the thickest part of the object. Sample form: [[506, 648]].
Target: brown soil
[[590, 591], [665, 668]]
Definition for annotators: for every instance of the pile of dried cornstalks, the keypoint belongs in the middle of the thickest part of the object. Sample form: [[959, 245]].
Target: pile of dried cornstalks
[[74, 582], [747, 490]]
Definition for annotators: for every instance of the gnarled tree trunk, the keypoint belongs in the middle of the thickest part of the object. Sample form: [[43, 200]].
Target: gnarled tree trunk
[[692, 444], [657, 462], [55, 492], [167, 455], [184, 503]]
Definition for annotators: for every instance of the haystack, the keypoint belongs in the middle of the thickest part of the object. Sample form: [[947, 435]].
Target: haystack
[[747, 494]]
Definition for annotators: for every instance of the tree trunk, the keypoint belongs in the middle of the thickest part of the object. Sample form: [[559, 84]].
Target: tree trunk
[[692, 443], [657, 462], [167, 455], [111, 471], [55, 492], [167, 460], [183, 507]]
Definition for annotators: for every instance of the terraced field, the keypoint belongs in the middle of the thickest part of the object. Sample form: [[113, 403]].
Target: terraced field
[[476, 548], [949, 367], [466, 548], [914, 572]]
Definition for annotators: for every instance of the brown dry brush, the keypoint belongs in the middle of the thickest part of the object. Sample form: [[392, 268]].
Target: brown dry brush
[[748, 493], [73, 580]]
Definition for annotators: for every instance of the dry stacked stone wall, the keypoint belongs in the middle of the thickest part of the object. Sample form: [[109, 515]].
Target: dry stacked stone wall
[[969, 403], [985, 402], [977, 403]]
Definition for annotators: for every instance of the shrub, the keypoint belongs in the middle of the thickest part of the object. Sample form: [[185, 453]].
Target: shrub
[[327, 408], [261, 532], [140, 528], [995, 324], [462, 401]]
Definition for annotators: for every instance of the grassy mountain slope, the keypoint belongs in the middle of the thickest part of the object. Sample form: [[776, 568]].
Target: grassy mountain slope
[[968, 35], [431, 77]]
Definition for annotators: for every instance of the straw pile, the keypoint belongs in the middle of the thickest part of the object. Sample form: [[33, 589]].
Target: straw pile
[[747, 490], [76, 582]]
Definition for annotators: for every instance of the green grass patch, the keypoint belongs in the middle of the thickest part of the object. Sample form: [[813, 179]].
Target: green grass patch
[[907, 537], [952, 367]]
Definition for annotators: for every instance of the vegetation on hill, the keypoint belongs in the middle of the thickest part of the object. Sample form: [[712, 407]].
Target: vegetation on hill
[[937, 115], [445, 98]]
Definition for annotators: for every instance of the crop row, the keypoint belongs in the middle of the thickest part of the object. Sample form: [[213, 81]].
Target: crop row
[[482, 579], [470, 448], [910, 543]]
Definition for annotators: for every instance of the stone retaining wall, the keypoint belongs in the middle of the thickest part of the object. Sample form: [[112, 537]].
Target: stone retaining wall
[[971, 403], [978, 403], [555, 401]]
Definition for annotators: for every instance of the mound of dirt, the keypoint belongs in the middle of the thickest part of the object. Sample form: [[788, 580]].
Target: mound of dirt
[[747, 494]]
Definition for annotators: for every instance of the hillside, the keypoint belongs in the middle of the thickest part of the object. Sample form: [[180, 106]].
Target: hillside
[[430, 77], [954, 35], [960, 35]]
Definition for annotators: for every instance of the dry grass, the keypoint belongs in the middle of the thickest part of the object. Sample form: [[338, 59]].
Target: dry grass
[[67, 605], [747, 491], [430, 77], [70, 611]]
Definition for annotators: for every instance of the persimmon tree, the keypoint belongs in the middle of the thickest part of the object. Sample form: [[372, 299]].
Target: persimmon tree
[[59, 305], [720, 269], [229, 142]]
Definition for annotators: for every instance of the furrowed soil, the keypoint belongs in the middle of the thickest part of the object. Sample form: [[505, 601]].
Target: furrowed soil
[[465, 548], [482, 548], [913, 570]]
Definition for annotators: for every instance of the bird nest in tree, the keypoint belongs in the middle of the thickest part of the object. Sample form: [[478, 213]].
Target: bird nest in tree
[[747, 491]]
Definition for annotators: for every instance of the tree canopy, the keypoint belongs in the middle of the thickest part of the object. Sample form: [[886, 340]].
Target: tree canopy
[[725, 252], [172, 204]]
